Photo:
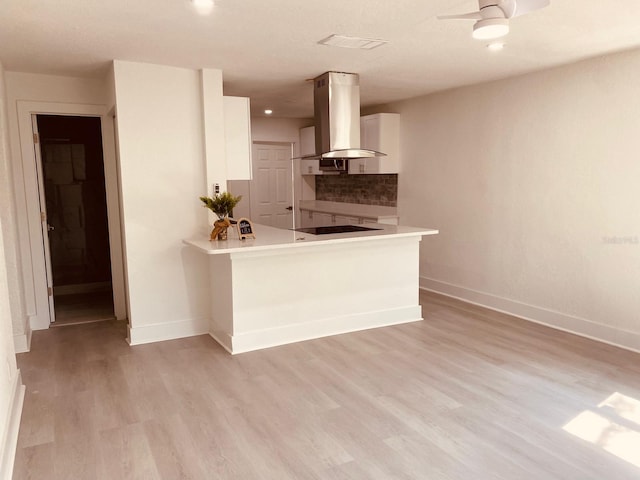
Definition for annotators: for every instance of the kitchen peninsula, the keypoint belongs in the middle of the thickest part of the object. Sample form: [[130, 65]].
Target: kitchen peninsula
[[286, 286]]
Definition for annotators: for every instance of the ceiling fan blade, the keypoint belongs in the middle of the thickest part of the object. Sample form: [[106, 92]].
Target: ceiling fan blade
[[463, 16], [515, 8]]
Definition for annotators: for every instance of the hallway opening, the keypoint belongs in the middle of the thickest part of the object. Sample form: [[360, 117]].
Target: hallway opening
[[76, 210]]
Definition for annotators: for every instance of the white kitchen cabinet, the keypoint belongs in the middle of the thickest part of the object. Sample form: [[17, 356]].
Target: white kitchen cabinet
[[308, 147], [310, 167], [316, 212], [345, 220], [307, 141], [322, 219], [384, 221], [309, 218], [379, 132], [306, 218], [237, 137]]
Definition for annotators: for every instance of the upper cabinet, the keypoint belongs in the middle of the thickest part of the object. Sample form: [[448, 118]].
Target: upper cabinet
[[237, 137], [307, 141], [310, 167], [308, 147], [379, 132]]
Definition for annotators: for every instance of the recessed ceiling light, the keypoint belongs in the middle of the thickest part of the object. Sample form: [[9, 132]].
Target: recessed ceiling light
[[345, 41], [203, 7], [496, 46], [268, 112]]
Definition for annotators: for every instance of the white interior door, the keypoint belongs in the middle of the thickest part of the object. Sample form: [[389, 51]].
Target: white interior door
[[43, 217], [272, 185]]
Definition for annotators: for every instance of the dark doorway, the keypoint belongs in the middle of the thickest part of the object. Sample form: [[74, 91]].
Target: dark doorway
[[74, 184]]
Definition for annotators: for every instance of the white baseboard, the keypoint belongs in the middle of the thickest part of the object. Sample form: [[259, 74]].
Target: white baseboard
[[10, 435], [159, 332], [560, 321], [39, 322], [22, 342], [272, 337], [223, 339]]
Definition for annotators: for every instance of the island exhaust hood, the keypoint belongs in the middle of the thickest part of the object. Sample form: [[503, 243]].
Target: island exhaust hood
[[336, 101]]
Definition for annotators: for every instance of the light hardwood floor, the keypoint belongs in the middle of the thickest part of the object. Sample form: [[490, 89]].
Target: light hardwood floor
[[466, 394]]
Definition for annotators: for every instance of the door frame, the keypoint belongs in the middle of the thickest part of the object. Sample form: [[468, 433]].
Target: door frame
[[44, 215], [32, 239]]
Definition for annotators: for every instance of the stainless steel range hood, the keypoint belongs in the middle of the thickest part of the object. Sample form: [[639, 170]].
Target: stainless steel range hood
[[336, 99]]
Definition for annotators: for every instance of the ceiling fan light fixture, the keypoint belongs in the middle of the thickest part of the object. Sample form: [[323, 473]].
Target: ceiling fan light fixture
[[490, 28]]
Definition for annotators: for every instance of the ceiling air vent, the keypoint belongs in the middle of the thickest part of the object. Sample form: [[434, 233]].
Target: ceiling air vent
[[344, 41]]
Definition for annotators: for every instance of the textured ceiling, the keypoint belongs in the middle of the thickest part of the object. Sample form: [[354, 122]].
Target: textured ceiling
[[267, 49]]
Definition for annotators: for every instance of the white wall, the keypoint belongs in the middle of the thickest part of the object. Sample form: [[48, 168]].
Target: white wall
[[11, 251], [11, 390], [264, 129], [109, 90], [213, 131], [30, 86], [533, 184], [163, 172]]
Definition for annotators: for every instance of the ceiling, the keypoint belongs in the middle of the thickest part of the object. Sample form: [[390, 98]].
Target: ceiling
[[267, 49]]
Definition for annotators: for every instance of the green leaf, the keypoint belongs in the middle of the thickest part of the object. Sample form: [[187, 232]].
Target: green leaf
[[221, 204]]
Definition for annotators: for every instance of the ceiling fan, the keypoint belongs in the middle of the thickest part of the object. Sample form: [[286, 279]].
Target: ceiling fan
[[493, 16]]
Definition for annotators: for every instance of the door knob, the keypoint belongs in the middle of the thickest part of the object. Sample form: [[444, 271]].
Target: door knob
[[50, 227], [290, 208]]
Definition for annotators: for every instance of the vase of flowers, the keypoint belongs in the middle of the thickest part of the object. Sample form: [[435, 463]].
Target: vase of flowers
[[222, 205]]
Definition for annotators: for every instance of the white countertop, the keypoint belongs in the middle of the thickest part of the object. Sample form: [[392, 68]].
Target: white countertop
[[270, 238], [349, 209]]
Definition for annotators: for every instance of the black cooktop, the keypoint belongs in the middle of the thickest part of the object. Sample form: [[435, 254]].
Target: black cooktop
[[334, 229]]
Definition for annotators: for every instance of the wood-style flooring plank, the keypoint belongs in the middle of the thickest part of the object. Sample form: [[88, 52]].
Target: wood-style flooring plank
[[125, 453], [466, 394]]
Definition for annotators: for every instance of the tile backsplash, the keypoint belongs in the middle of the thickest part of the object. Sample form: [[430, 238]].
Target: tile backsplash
[[380, 189]]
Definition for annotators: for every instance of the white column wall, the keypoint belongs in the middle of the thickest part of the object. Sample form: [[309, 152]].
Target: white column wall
[[163, 172], [11, 390], [213, 131], [11, 251], [533, 184]]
